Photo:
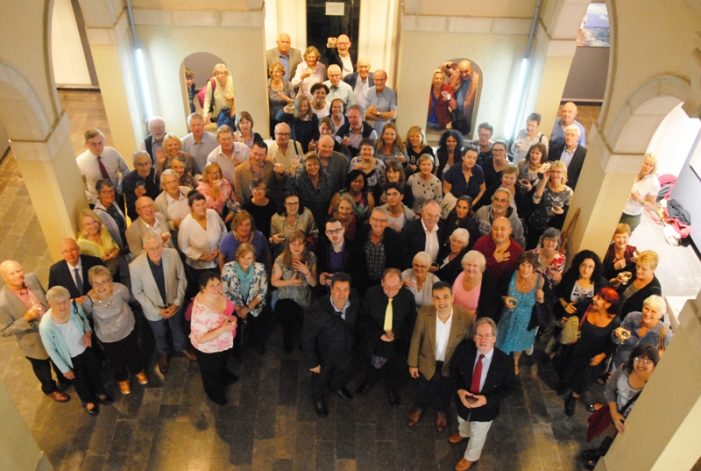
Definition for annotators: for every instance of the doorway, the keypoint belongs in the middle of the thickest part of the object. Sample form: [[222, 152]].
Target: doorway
[[324, 20]]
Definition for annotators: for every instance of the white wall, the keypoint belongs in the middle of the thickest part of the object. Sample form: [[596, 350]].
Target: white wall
[[672, 141], [67, 55]]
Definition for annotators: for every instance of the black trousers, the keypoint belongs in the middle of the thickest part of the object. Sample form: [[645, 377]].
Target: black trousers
[[213, 370], [390, 373], [42, 370], [254, 330], [290, 315], [125, 356], [335, 372], [87, 381], [433, 392]]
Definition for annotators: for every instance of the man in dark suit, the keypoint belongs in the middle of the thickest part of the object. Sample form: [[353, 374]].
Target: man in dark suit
[[485, 376], [377, 247], [22, 303], [338, 52], [72, 271], [153, 144], [571, 153], [387, 319], [142, 181], [424, 234], [328, 340], [360, 81], [438, 330]]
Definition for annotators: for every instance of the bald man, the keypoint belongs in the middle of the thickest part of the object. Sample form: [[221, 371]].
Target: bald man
[[500, 250], [382, 103], [338, 53], [72, 271], [566, 117], [333, 163], [22, 303], [149, 220], [285, 54]]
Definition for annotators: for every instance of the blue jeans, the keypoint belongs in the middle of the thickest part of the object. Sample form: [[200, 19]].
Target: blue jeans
[[160, 333]]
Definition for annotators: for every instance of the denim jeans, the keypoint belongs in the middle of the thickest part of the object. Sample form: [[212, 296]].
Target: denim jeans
[[160, 330]]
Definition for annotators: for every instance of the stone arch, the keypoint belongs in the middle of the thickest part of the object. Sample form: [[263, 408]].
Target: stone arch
[[202, 63], [21, 111]]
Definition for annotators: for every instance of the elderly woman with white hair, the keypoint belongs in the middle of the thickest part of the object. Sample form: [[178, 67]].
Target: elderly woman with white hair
[[472, 291], [450, 257], [419, 280], [218, 104], [67, 337], [642, 328]]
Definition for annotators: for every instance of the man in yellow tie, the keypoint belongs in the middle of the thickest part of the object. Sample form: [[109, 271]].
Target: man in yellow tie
[[387, 320]]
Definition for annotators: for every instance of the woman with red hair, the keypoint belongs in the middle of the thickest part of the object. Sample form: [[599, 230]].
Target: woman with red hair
[[582, 362]]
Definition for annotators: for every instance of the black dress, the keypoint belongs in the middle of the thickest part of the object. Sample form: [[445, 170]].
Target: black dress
[[261, 215]]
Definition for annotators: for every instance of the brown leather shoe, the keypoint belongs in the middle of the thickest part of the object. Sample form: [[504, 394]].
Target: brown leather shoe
[[189, 355], [414, 416], [463, 465], [441, 421], [59, 396], [456, 438]]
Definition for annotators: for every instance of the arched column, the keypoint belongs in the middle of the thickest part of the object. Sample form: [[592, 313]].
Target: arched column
[[44, 155], [614, 157], [108, 35], [663, 430]]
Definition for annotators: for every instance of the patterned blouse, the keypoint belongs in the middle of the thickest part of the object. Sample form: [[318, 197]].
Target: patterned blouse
[[205, 320], [257, 288]]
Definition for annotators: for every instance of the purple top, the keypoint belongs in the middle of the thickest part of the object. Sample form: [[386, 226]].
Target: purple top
[[230, 244]]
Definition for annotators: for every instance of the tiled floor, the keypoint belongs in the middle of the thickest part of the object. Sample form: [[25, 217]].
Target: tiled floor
[[270, 423]]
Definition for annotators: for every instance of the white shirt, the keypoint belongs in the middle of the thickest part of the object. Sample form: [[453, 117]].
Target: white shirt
[[486, 361], [72, 337], [360, 90], [194, 241], [228, 164], [432, 245], [177, 209], [566, 156], [649, 185], [90, 171], [342, 91], [347, 65], [442, 336]]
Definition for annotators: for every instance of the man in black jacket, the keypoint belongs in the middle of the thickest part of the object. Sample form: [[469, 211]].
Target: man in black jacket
[[485, 376], [328, 340], [571, 153], [388, 313], [72, 271], [425, 234], [377, 247]]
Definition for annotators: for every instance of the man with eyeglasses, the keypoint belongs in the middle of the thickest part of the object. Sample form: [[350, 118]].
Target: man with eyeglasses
[[500, 207], [335, 252], [485, 376]]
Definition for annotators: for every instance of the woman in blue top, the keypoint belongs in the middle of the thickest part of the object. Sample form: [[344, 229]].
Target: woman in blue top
[[525, 289], [67, 337], [466, 179]]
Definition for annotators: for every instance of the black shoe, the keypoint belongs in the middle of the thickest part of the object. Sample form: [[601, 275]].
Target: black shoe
[[393, 398], [344, 394], [94, 411], [570, 405], [364, 388], [320, 408], [105, 399], [230, 378]]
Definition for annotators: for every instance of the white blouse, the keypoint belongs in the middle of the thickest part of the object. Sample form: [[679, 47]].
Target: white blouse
[[195, 241]]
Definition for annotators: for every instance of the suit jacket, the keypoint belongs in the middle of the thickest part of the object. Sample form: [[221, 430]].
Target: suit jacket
[[372, 321], [325, 335], [414, 239], [145, 290], [575, 166], [295, 58], [12, 321], [422, 348], [393, 254], [500, 380], [352, 79], [137, 230], [60, 275]]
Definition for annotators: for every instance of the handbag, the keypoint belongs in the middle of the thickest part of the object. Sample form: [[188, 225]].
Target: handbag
[[601, 419], [571, 331]]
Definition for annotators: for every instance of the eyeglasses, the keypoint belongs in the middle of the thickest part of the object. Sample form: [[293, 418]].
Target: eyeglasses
[[282, 133], [642, 361]]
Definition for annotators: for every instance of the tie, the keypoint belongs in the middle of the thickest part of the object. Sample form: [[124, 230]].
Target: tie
[[389, 314], [103, 170], [78, 280], [477, 376]]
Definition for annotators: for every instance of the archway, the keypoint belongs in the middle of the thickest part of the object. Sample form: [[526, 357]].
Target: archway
[[196, 70]]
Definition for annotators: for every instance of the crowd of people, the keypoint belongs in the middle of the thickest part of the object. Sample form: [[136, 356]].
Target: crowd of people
[[441, 265]]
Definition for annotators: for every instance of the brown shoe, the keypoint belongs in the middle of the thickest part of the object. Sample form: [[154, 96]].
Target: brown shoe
[[163, 363], [59, 396], [456, 438], [124, 387], [463, 465], [414, 416], [441, 421], [189, 355], [141, 378]]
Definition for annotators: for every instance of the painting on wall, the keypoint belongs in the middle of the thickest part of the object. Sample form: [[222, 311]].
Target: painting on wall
[[454, 96], [594, 31]]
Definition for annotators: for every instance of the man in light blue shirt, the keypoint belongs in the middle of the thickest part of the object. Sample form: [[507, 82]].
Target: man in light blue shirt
[[198, 143], [382, 103]]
